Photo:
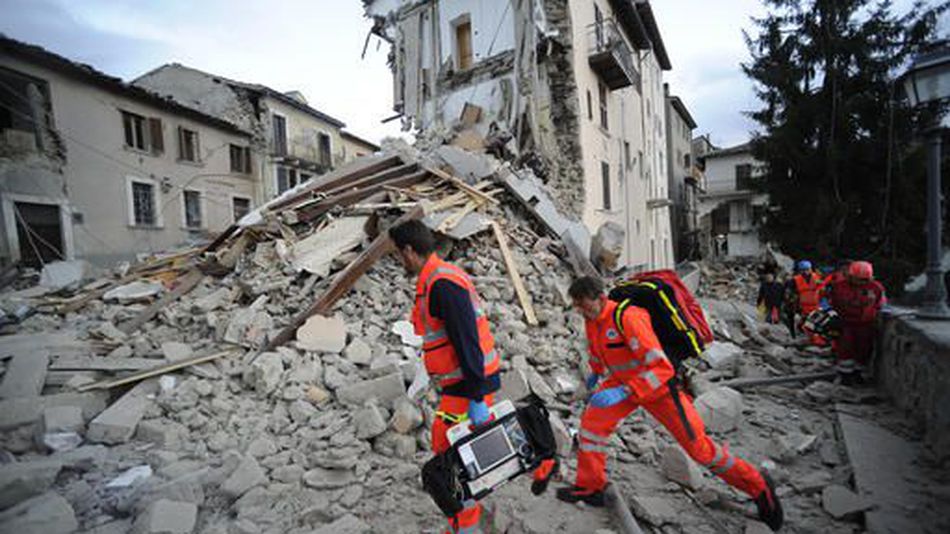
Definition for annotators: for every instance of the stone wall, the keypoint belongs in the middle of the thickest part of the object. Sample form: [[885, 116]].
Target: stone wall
[[913, 366]]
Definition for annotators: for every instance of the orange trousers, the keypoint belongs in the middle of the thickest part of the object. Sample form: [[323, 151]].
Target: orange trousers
[[597, 425], [466, 521]]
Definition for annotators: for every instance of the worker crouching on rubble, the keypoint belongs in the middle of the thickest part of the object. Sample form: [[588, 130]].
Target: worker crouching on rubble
[[458, 347], [857, 298], [633, 371]]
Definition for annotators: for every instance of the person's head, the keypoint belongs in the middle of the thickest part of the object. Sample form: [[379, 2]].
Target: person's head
[[803, 266], [587, 293], [414, 243], [860, 272], [769, 277]]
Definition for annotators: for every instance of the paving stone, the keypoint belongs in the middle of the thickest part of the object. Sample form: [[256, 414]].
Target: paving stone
[[25, 375], [48, 513], [358, 352], [167, 517], [322, 334], [117, 423], [21, 480], [385, 389], [841, 502], [680, 468], [720, 409], [247, 475]]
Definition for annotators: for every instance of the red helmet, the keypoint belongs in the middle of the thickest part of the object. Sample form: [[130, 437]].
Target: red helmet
[[861, 270]]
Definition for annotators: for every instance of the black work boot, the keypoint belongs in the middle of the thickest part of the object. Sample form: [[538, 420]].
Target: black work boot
[[575, 494], [543, 475], [770, 509]]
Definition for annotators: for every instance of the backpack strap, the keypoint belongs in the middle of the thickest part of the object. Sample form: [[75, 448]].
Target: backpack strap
[[674, 314], [618, 315]]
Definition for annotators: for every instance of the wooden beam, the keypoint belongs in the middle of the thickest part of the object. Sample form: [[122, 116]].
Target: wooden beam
[[327, 183], [98, 363], [341, 283], [458, 182], [376, 179], [186, 284], [222, 237], [520, 290], [352, 197], [154, 371]]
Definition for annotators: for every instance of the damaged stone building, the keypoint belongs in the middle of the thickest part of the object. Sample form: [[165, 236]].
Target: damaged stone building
[[686, 180], [297, 140], [94, 168], [572, 89]]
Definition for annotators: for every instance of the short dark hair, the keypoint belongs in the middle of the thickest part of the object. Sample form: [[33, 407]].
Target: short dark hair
[[415, 234], [586, 287]]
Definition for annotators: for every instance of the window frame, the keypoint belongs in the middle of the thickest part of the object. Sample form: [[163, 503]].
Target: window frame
[[250, 206], [146, 142], [461, 21], [602, 102], [286, 138], [747, 178], [244, 158], [159, 221], [202, 223], [182, 137], [321, 135], [606, 193]]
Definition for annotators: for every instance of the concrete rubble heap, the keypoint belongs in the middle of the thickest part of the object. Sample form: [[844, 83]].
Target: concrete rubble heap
[[265, 388]]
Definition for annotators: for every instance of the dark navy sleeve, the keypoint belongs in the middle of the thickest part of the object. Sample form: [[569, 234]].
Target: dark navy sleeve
[[452, 304]]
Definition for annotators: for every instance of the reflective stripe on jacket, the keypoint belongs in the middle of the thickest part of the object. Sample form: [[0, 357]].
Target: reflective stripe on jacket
[[634, 357], [439, 356]]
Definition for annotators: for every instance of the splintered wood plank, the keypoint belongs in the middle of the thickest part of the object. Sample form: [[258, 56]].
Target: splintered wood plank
[[459, 183], [155, 371], [520, 290]]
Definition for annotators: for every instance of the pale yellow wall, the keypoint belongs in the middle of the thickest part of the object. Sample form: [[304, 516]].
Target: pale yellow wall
[[353, 149], [98, 168]]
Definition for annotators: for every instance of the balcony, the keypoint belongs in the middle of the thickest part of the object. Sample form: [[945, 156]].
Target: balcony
[[610, 57]]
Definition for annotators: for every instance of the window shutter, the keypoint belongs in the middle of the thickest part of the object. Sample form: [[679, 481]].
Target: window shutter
[[155, 135]]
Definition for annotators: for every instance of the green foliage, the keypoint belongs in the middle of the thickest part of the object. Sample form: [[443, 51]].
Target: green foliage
[[844, 166]]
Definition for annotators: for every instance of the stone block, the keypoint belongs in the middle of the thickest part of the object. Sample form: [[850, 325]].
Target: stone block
[[265, 374], [722, 355], [322, 334], [247, 475], [406, 416], [60, 428], [48, 513], [325, 479], [369, 422], [21, 480], [842, 503], [720, 409], [117, 423], [27, 411], [358, 352], [514, 385], [167, 517], [680, 468], [162, 432], [25, 375], [385, 389], [562, 436]]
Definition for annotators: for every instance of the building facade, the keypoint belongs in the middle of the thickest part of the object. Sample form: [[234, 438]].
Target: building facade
[[730, 211], [93, 168], [297, 141], [685, 179], [356, 147], [576, 85]]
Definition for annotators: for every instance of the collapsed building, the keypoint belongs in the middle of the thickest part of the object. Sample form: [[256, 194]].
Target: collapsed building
[[572, 89]]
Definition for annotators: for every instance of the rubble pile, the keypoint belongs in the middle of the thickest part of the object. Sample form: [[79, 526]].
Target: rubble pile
[[733, 279], [270, 381]]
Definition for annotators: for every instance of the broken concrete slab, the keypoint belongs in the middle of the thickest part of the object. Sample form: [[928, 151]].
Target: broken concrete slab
[[21, 480], [167, 517], [316, 252], [680, 468], [369, 422], [96, 363], [842, 503], [247, 475], [406, 417], [265, 373], [25, 375], [59, 343], [358, 352], [812, 482], [48, 513], [385, 389], [133, 292], [720, 409], [163, 433], [214, 300], [117, 423], [722, 355], [27, 411], [61, 274], [514, 385], [60, 428], [322, 334]]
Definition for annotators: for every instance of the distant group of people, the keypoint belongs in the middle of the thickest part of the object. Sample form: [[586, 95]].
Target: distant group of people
[[806, 296]]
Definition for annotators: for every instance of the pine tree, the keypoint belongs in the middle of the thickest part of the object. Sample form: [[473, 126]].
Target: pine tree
[[844, 166]]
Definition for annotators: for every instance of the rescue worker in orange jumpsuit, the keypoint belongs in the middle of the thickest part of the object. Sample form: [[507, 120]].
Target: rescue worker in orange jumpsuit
[[458, 348], [808, 286], [857, 298], [634, 372]]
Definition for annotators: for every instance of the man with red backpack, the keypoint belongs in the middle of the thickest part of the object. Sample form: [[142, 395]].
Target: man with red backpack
[[857, 298], [632, 370]]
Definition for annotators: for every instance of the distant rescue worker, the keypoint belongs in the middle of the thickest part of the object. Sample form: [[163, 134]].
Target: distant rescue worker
[[771, 294], [808, 287], [633, 371], [857, 298]]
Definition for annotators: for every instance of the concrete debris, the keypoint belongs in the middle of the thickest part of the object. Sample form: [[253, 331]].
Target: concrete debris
[[167, 517], [722, 355], [315, 253], [358, 352], [133, 292], [63, 274], [514, 385], [348, 524], [607, 246], [369, 422], [406, 417], [407, 333], [322, 479], [680, 468], [322, 334], [756, 527], [25, 375], [22, 480], [841, 502], [245, 476], [130, 477], [265, 373], [117, 423], [60, 428], [720, 409], [385, 389], [48, 513]]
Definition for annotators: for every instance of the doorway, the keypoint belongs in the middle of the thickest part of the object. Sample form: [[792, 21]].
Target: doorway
[[39, 232]]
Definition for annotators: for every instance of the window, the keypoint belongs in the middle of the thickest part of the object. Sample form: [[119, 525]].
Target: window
[[144, 212], [241, 159], [287, 178], [463, 44], [192, 201], [590, 107], [325, 152], [21, 98], [602, 90], [279, 133], [640, 161], [240, 207], [605, 182], [744, 176], [135, 133], [304, 177], [188, 145], [155, 136], [686, 162], [627, 155]]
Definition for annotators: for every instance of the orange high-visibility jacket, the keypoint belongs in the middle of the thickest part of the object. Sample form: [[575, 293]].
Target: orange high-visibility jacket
[[634, 357], [809, 292], [441, 361]]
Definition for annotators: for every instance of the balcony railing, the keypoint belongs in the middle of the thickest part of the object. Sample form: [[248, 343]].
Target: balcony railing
[[610, 56]]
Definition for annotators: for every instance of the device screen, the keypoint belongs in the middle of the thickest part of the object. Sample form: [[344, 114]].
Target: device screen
[[491, 448]]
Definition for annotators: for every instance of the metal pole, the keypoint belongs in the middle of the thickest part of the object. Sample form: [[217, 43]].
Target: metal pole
[[934, 305]]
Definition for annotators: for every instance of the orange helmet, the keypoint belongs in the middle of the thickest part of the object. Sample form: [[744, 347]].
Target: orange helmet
[[861, 270]]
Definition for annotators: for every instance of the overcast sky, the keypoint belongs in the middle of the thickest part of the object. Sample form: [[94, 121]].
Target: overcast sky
[[314, 46]]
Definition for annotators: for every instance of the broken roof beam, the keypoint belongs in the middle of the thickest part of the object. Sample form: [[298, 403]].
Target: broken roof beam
[[520, 290], [336, 179], [375, 179], [348, 198], [459, 183]]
